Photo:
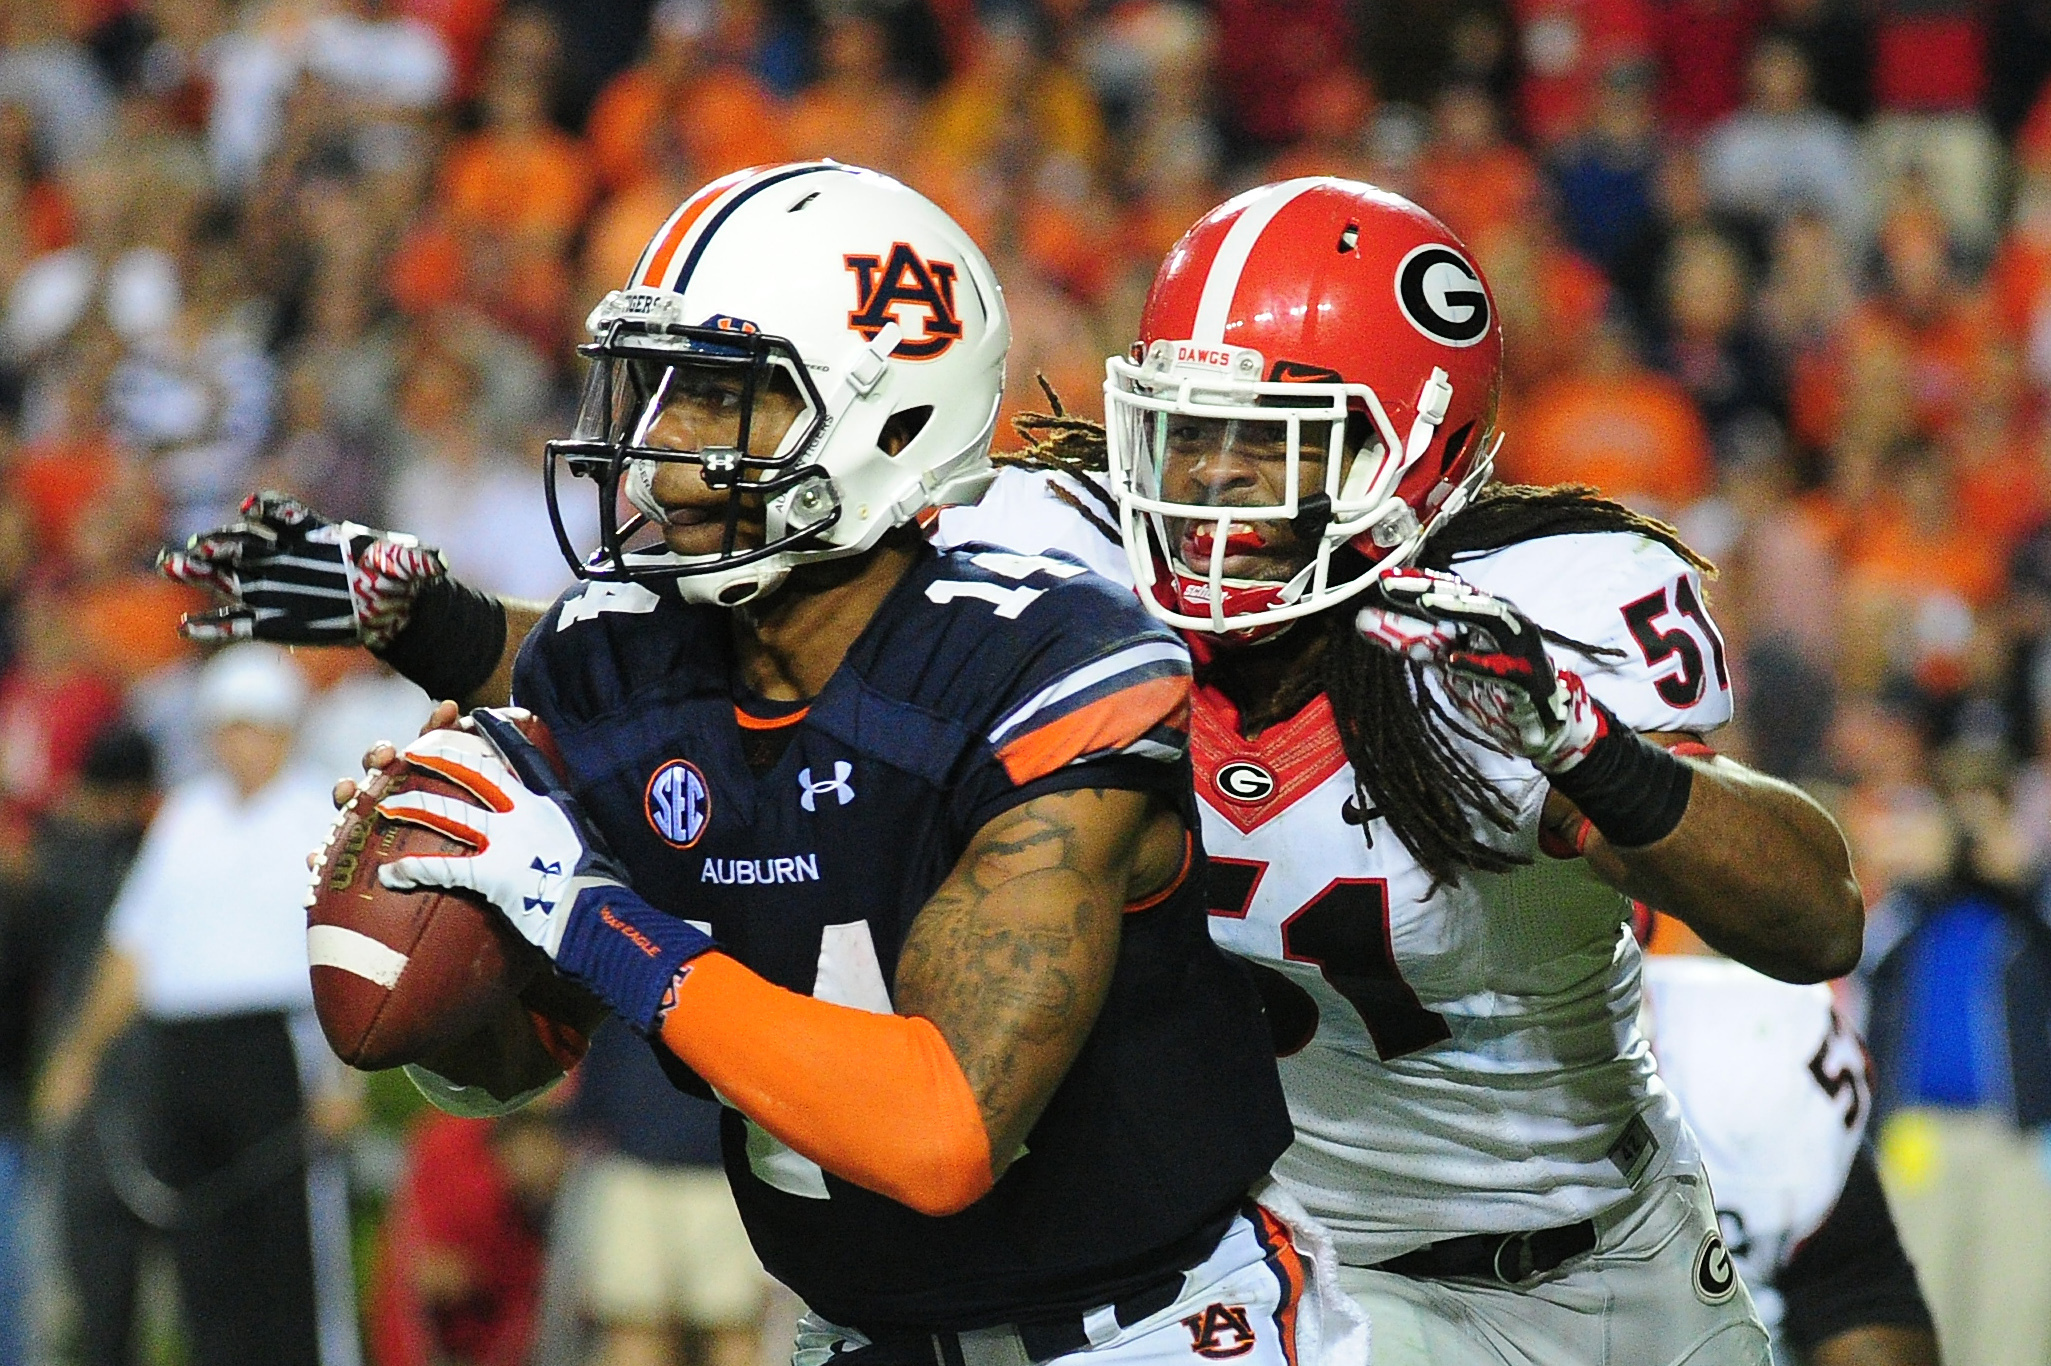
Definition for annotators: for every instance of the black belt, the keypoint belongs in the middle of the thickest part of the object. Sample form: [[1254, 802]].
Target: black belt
[[1510, 1258], [1027, 1344]]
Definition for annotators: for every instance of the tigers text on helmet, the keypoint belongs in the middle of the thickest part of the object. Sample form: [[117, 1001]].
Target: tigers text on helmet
[[821, 347], [1313, 391]]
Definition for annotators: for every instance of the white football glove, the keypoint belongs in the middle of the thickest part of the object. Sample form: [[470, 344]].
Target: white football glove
[[1492, 661], [533, 854]]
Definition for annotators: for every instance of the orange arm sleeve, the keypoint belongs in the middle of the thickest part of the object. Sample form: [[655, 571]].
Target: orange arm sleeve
[[878, 1100]]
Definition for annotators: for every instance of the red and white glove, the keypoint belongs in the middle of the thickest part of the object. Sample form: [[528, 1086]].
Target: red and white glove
[[295, 577], [1492, 661]]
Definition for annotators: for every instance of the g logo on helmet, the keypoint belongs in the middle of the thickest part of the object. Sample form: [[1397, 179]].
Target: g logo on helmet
[[1245, 782], [679, 803], [905, 278], [1440, 292]]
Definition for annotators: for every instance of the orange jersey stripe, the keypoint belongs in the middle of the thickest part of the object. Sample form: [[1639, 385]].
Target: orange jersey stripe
[[694, 209], [1288, 1264], [1109, 723], [747, 722], [878, 1100]]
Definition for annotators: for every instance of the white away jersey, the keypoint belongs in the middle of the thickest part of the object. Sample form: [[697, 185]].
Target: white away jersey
[[1464, 1058], [1776, 1088]]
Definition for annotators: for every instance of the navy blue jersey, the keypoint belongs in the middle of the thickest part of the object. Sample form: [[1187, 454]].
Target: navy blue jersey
[[985, 679]]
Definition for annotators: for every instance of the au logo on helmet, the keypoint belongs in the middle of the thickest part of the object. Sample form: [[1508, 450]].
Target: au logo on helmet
[[1440, 292], [883, 284]]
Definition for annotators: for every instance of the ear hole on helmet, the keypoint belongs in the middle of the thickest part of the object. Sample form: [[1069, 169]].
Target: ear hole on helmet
[[1349, 238], [903, 426], [1456, 446]]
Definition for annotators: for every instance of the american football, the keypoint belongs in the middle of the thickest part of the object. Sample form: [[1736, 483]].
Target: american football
[[400, 976]]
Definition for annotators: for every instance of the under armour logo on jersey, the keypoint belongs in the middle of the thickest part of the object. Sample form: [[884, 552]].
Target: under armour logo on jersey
[[1716, 1278], [904, 279], [1222, 1331], [1440, 292], [837, 785]]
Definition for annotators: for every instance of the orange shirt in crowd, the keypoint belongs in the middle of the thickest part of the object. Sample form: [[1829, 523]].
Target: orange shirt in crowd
[[1940, 355], [1635, 437], [1479, 194], [622, 119], [621, 228], [2019, 282], [58, 479], [510, 183], [128, 625], [1894, 550], [729, 121], [725, 121]]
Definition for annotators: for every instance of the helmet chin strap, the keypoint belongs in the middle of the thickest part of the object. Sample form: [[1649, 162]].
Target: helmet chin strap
[[640, 491]]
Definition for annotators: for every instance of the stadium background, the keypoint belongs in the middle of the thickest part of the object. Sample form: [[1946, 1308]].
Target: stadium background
[[1777, 269]]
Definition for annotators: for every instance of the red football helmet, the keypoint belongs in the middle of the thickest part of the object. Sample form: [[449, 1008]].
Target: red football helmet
[[1313, 390]]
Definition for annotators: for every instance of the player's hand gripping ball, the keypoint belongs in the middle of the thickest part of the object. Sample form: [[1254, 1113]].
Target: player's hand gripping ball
[[430, 975]]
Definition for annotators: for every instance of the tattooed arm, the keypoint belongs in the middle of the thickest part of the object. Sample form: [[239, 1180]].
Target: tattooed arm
[[998, 984], [1011, 958]]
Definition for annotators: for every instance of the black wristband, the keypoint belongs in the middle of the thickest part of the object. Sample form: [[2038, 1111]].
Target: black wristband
[[452, 640], [1630, 789]]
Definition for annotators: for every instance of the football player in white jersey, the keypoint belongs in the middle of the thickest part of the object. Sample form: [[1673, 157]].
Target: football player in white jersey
[[1444, 732], [1776, 1088]]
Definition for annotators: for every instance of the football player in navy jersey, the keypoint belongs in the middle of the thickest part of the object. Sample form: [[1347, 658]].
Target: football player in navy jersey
[[894, 850]]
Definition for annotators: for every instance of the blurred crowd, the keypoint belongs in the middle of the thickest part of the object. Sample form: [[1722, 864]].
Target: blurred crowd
[[1779, 270]]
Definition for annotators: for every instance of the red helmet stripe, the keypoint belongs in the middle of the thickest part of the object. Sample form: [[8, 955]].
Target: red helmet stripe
[[1214, 308]]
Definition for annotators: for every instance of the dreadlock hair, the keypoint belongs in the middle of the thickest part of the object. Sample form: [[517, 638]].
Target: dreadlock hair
[[1061, 443], [1408, 767]]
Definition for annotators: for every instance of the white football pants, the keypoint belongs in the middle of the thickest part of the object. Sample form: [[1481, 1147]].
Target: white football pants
[[1266, 1296], [1658, 1290]]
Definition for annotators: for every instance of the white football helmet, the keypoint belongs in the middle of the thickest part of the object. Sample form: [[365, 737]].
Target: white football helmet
[[848, 297]]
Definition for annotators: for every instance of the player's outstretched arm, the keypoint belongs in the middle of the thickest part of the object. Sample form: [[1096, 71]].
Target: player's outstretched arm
[[1751, 864], [1754, 866], [285, 573]]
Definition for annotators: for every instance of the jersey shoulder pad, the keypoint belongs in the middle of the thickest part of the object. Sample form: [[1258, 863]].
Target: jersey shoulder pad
[[1041, 510], [1044, 661], [602, 643], [1656, 658]]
